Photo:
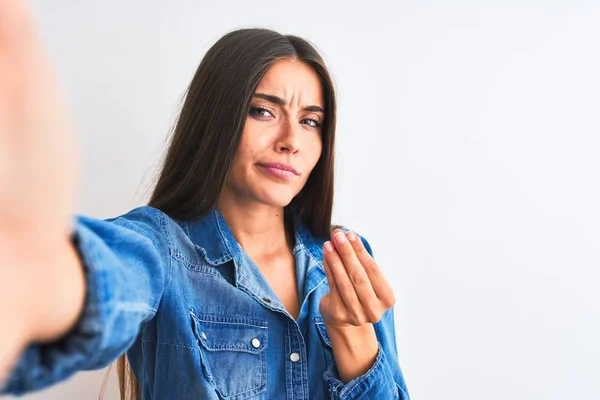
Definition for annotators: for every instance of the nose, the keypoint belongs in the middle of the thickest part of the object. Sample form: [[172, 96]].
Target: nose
[[288, 139]]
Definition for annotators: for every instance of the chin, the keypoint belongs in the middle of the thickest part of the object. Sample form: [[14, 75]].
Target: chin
[[275, 198], [277, 202]]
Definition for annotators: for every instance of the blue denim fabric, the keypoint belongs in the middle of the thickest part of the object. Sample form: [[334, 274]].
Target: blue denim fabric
[[198, 320]]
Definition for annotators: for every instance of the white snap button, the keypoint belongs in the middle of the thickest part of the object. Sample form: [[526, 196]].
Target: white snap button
[[256, 343], [294, 357], [203, 335]]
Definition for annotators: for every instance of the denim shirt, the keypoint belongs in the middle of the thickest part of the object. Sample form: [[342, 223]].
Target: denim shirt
[[198, 320]]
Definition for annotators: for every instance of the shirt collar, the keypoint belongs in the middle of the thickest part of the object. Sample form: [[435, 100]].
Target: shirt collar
[[214, 240], [222, 246]]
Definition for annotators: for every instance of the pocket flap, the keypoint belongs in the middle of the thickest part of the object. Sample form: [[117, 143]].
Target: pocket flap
[[230, 333]]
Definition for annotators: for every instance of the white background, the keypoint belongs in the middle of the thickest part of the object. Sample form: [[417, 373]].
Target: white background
[[468, 156]]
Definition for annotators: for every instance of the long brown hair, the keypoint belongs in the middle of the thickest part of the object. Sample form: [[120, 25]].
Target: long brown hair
[[208, 132]]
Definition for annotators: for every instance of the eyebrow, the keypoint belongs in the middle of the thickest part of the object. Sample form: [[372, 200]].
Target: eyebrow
[[281, 102]]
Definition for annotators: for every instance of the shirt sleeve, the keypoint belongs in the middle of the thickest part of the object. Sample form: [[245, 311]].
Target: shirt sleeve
[[384, 380], [127, 268]]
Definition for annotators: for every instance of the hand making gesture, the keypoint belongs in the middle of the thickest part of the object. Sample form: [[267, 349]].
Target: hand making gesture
[[359, 293]]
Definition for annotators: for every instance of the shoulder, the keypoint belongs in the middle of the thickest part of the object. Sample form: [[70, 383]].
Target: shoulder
[[142, 214], [147, 221]]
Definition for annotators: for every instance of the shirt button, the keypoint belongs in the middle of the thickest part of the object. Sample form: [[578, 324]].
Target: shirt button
[[255, 343], [294, 357], [203, 335]]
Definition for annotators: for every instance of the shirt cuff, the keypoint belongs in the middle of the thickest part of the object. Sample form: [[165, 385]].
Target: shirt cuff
[[378, 382], [42, 364]]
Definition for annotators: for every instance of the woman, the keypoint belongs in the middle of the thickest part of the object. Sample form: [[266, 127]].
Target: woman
[[231, 282]]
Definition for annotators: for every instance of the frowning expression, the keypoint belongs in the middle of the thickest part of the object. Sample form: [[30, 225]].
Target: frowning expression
[[281, 141]]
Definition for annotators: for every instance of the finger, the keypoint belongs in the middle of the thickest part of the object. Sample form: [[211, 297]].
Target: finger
[[334, 308], [335, 293], [356, 272], [330, 279], [343, 283], [17, 27], [381, 286]]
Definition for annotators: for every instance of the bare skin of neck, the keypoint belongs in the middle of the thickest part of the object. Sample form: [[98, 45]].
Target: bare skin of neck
[[260, 230]]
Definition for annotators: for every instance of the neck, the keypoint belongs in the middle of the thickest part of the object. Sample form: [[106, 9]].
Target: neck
[[258, 228]]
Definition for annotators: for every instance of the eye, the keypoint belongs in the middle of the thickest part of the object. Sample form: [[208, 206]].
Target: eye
[[260, 112], [311, 122]]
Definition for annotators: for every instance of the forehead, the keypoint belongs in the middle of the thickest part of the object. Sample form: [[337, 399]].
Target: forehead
[[292, 80]]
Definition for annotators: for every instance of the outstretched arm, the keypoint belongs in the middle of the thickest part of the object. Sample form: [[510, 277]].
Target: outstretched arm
[[39, 269]]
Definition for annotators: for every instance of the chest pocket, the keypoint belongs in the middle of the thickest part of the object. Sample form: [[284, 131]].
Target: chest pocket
[[233, 353]]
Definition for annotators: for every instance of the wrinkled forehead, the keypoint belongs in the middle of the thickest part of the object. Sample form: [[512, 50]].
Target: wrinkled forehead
[[293, 81]]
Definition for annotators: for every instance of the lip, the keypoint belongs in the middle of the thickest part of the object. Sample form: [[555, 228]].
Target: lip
[[280, 170]]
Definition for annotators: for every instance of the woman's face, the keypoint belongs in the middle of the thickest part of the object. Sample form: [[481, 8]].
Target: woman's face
[[281, 141]]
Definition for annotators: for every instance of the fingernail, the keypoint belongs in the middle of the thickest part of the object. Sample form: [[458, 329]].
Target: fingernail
[[339, 237], [352, 236], [328, 247]]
